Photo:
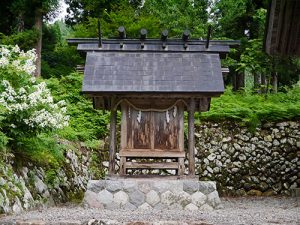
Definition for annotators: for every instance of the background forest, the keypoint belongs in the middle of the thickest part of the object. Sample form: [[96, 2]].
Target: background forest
[[259, 88]]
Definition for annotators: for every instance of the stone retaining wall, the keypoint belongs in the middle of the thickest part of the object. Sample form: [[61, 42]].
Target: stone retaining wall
[[152, 194], [263, 162], [31, 186]]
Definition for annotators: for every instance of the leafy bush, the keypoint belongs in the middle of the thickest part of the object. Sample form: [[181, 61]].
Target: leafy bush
[[26, 39], [60, 62], [86, 123], [251, 109], [27, 109], [42, 150]]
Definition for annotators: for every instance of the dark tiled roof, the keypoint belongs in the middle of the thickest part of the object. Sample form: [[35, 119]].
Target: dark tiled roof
[[152, 72]]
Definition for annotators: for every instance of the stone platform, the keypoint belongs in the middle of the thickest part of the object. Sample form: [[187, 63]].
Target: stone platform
[[147, 194]]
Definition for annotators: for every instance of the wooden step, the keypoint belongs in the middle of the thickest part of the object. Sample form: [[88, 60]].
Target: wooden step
[[151, 165], [152, 153]]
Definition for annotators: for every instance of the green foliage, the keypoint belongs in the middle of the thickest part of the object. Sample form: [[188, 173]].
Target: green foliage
[[154, 16], [58, 59], [60, 62], [43, 150], [3, 141], [254, 59], [25, 40], [177, 16], [85, 122], [252, 109], [239, 18], [27, 111]]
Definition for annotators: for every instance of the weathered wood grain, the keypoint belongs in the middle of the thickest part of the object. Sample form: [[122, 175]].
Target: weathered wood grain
[[191, 137], [112, 142], [151, 165], [150, 153]]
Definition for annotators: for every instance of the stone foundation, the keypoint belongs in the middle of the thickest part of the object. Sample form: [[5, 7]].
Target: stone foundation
[[152, 194]]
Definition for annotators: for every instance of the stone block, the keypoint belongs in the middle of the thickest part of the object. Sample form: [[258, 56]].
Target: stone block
[[113, 185], [190, 186], [171, 185], [130, 206], [121, 198], [105, 197], [96, 185], [152, 198], [136, 198], [159, 206], [191, 207], [183, 198], [198, 199], [145, 207], [167, 198], [206, 207], [207, 187], [175, 206], [129, 186], [145, 186], [112, 206], [91, 199], [213, 198]]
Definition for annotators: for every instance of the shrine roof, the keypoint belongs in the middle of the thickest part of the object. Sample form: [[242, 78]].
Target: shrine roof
[[152, 72], [153, 66]]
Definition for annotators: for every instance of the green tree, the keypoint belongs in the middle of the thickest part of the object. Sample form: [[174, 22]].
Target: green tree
[[81, 10], [28, 14]]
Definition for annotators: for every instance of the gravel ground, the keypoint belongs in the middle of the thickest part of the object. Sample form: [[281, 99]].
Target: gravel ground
[[235, 211]]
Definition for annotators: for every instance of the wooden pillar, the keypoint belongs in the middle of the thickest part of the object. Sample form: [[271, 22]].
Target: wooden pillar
[[124, 110], [112, 141], [181, 167], [191, 138]]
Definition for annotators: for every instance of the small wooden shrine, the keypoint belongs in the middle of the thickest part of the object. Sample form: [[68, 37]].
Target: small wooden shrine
[[152, 82]]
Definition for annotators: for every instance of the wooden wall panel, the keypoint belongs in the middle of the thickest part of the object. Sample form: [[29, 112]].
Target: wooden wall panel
[[160, 130], [140, 129], [166, 128]]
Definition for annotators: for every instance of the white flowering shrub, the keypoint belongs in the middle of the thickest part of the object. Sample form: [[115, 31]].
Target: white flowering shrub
[[13, 58], [27, 105]]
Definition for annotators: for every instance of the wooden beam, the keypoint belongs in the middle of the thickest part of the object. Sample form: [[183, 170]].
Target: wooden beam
[[191, 137], [112, 141], [149, 153], [151, 165]]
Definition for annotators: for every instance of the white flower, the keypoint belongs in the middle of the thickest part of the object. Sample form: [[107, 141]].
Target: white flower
[[16, 49], [3, 62], [20, 60], [32, 80], [4, 51]]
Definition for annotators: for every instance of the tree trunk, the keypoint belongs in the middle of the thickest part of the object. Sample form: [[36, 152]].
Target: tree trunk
[[20, 22], [240, 81], [257, 82], [39, 27], [263, 83], [234, 77], [274, 82]]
